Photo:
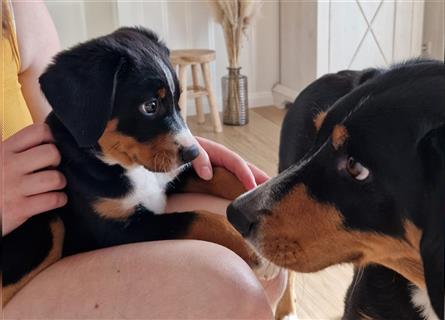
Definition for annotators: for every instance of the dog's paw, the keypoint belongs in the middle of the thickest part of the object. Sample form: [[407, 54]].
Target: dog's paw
[[289, 317], [266, 270]]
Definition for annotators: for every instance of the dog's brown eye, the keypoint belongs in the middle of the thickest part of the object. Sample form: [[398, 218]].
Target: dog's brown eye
[[356, 169], [149, 107]]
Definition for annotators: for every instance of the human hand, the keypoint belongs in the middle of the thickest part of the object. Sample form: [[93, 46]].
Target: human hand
[[30, 183], [212, 153]]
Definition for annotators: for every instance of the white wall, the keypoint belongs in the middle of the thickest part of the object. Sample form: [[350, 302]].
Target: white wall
[[433, 30], [181, 24], [323, 36]]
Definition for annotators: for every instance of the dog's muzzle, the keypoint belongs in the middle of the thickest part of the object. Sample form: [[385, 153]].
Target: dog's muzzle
[[245, 212], [188, 154]]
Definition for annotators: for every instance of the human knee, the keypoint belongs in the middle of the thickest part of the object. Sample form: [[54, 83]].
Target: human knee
[[237, 284]]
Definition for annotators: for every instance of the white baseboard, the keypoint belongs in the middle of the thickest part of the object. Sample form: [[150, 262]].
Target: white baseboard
[[282, 95], [256, 99]]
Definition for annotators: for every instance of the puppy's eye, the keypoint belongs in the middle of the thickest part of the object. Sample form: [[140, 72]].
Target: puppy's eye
[[356, 169], [149, 107]]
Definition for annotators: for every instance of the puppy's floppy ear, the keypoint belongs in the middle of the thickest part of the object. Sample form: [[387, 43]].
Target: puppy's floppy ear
[[80, 86], [432, 149]]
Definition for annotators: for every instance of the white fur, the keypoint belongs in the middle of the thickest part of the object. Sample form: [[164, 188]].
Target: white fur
[[290, 317], [422, 303], [148, 189], [267, 270], [167, 73], [185, 138]]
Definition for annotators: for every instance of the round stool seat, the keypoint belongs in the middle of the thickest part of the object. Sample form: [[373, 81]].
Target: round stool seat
[[192, 56]]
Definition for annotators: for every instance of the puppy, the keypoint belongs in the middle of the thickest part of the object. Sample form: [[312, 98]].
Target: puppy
[[362, 181], [124, 147]]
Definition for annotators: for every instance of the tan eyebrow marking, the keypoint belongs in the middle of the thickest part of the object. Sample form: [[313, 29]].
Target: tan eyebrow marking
[[339, 136], [318, 119], [162, 92]]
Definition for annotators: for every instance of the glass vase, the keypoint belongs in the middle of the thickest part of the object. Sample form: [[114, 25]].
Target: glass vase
[[235, 99]]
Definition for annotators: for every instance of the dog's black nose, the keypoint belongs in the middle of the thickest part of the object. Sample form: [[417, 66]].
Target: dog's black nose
[[188, 153], [242, 222]]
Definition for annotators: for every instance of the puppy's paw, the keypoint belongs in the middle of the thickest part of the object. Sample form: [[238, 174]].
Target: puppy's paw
[[289, 317], [266, 270]]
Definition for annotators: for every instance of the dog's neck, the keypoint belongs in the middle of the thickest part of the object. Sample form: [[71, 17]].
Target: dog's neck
[[381, 293]]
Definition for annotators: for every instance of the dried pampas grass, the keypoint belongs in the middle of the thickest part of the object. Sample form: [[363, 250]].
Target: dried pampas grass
[[235, 17]]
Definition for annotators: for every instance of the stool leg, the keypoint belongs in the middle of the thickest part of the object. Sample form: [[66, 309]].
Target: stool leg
[[212, 100], [198, 102], [183, 85]]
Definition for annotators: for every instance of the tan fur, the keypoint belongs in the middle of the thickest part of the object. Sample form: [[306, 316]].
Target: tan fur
[[339, 136], [224, 184], [158, 155], [215, 228], [319, 119], [306, 236], [162, 92], [111, 208], [58, 232]]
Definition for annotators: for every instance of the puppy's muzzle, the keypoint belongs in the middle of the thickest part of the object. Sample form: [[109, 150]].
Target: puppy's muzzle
[[189, 153]]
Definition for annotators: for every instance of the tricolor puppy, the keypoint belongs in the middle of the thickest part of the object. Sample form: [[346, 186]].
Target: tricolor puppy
[[117, 125], [362, 161]]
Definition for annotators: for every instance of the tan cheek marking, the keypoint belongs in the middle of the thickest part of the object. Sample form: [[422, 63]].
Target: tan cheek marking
[[58, 232], [162, 93], [112, 209], [298, 223], [116, 145], [308, 236], [318, 120], [339, 136], [159, 155], [402, 256]]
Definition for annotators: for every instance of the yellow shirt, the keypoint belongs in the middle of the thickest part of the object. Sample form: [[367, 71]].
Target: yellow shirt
[[14, 111]]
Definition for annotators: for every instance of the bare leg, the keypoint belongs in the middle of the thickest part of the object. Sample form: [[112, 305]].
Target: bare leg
[[192, 201], [163, 279]]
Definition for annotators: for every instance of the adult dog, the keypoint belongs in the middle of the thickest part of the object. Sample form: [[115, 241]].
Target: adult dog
[[362, 181]]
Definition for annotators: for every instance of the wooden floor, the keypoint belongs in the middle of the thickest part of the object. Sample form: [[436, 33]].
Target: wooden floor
[[320, 295]]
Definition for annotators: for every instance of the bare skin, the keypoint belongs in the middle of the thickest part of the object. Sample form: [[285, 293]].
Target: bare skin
[[176, 279], [168, 279]]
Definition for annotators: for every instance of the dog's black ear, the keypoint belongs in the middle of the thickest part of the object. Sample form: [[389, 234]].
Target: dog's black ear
[[80, 86], [432, 150]]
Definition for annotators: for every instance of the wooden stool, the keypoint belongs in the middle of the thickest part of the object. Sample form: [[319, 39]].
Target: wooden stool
[[194, 57]]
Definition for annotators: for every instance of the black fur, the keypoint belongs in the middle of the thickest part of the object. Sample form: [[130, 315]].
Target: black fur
[[87, 86], [395, 120], [28, 245]]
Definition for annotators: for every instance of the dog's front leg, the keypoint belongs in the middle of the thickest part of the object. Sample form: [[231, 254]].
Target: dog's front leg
[[198, 225], [28, 250], [223, 184]]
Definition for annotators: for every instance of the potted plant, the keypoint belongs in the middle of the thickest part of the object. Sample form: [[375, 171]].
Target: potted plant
[[235, 17]]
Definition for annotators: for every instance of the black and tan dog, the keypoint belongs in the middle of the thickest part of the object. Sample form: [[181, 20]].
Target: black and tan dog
[[117, 125], [362, 181]]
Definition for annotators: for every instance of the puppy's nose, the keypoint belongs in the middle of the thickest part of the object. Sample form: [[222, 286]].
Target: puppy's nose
[[188, 153], [244, 223]]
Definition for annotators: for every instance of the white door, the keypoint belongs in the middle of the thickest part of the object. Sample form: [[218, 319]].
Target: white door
[[367, 33]]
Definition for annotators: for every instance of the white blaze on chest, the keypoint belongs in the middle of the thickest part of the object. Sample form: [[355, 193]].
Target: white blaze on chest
[[148, 189]]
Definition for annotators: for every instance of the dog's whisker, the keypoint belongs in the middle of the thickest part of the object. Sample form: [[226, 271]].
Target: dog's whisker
[[357, 279]]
